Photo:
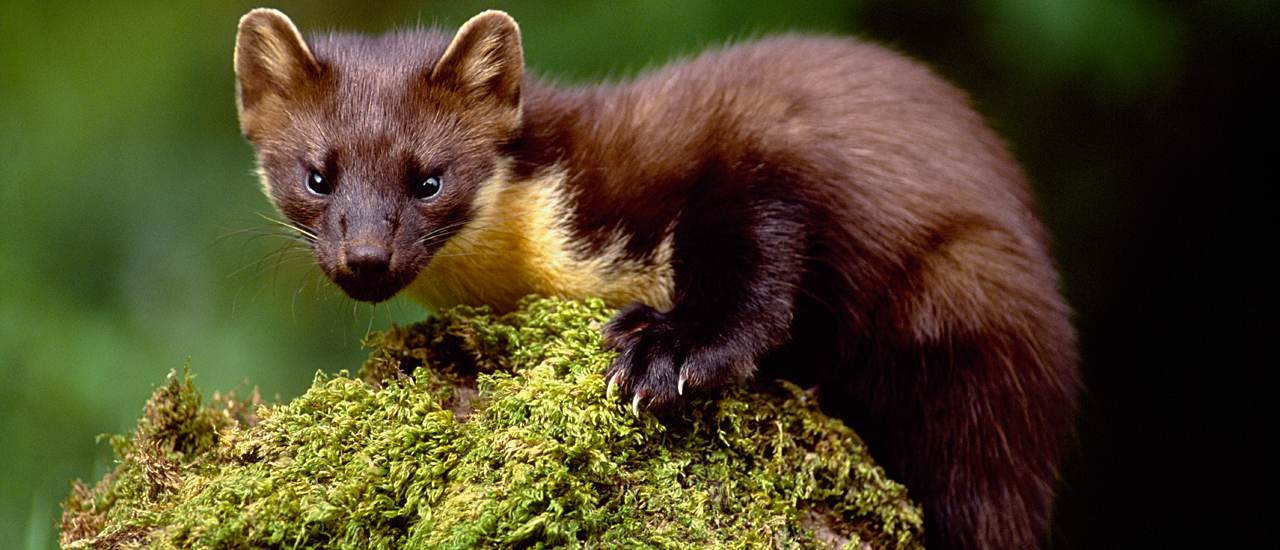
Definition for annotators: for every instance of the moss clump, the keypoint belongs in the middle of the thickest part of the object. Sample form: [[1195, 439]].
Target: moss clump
[[473, 429]]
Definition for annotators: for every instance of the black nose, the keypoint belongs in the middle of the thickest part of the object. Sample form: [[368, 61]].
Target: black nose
[[364, 259]]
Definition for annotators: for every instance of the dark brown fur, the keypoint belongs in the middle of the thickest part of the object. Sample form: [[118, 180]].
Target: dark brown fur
[[840, 216]]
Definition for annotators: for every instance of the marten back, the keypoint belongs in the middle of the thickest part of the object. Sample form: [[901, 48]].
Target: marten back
[[929, 316]]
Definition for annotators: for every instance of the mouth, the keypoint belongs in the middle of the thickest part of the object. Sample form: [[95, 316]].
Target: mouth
[[371, 289], [367, 273], [370, 294]]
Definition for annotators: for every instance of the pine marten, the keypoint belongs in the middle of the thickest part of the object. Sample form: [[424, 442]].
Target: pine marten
[[813, 208]]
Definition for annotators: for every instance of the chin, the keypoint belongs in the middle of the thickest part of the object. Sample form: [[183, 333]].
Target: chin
[[370, 292], [369, 296]]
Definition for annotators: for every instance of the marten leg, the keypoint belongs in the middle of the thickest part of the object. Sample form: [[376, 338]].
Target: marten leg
[[737, 267], [970, 401]]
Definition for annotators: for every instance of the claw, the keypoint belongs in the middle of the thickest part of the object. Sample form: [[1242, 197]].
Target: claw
[[612, 388], [635, 405], [680, 385]]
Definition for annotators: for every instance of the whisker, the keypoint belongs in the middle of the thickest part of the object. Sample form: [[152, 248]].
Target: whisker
[[283, 249], [293, 301], [301, 229], [237, 232]]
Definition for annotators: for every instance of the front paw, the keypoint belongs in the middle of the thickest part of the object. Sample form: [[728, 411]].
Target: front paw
[[658, 363]]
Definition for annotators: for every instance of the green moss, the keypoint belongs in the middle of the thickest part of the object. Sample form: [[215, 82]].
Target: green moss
[[475, 429]]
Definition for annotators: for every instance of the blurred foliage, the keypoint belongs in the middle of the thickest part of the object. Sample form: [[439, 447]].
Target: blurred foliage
[[128, 233]]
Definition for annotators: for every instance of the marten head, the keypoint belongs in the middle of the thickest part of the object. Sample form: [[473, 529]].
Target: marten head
[[374, 148]]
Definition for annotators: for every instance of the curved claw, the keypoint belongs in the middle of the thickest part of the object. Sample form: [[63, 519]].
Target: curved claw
[[635, 405], [680, 385], [612, 388]]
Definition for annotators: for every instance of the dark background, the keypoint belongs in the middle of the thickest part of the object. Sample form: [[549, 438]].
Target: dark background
[[1145, 128]]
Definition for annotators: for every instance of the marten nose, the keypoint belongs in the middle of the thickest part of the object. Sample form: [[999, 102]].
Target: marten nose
[[366, 259]]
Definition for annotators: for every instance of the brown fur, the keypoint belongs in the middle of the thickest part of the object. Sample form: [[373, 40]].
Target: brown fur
[[813, 208]]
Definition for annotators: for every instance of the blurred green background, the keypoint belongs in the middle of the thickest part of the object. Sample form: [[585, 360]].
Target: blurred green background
[[128, 214]]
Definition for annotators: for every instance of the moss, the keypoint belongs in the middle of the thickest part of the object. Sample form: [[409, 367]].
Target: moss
[[473, 429]]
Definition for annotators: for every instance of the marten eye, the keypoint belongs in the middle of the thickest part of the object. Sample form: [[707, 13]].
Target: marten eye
[[426, 188], [317, 184]]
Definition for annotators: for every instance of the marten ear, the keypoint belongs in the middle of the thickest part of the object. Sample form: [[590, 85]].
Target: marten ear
[[485, 57], [271, 58]]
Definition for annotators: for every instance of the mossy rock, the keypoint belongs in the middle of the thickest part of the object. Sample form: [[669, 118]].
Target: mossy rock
[[473, 429]]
